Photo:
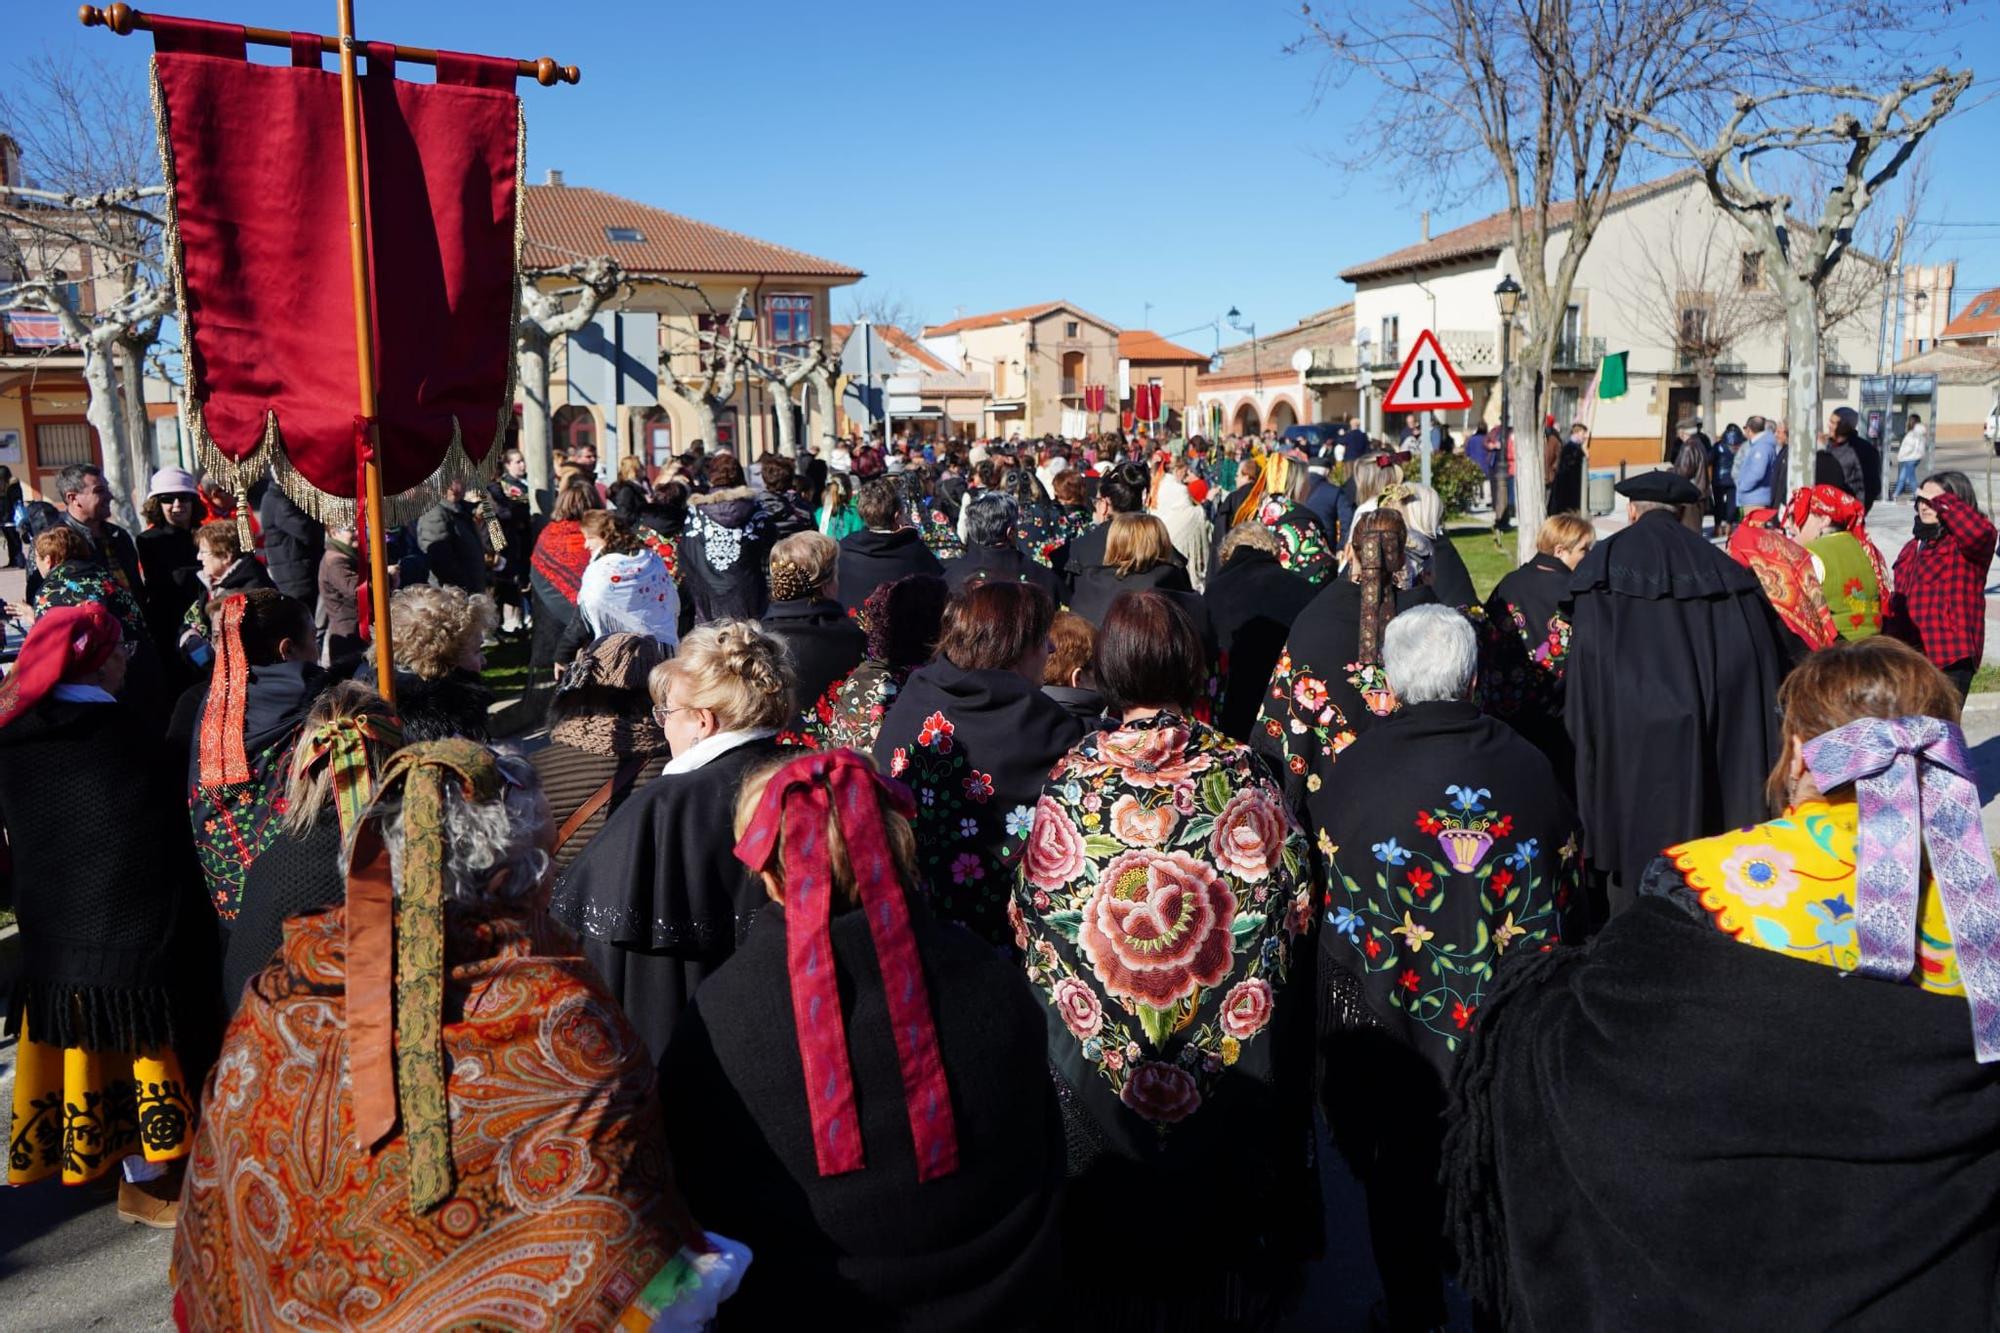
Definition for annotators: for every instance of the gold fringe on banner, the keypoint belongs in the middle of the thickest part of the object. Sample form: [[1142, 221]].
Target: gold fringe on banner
[[269, 457]]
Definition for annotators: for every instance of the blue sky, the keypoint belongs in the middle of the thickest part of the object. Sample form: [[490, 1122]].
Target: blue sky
[[973, 157]]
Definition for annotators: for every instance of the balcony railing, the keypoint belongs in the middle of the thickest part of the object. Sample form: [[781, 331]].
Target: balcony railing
[[1470, 350], [1684, 364], [1332, 360], [1071, 388], [1579, 353]]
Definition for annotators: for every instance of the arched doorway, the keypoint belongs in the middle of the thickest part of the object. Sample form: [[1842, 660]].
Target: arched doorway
[[656, 437], [1072, 374], [1283, 416], [573, 427], [1246, 421]]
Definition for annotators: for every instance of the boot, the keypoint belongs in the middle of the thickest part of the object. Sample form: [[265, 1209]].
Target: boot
[[153, 1203]]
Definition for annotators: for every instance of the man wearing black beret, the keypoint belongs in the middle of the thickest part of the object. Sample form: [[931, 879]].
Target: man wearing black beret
[[1673, 671]]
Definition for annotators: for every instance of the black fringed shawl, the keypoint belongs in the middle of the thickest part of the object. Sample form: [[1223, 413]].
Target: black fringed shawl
[[1670, 1129]]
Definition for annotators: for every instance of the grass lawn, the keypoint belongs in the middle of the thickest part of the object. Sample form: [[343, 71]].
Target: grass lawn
[[1488, 558], [1986, 680], [506, 671]]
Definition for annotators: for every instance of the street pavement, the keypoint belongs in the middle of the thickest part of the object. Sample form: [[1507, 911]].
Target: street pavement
[[68, 1263]]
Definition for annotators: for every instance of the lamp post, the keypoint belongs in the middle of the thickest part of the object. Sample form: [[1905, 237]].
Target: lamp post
[[1507, 296], [1235, 318]]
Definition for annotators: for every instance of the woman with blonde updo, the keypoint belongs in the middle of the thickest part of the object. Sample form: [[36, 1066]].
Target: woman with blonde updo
[[659, 897]]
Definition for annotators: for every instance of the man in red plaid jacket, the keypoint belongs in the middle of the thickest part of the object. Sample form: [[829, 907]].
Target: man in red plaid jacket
[[1939, 602]]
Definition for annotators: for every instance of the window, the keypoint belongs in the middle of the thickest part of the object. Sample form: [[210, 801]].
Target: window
[[1392, 328], [1572, 329], [627, 235], [1694, 328], [1752, 270], [58, 444], [789, 322], [1071, 328], [999, 379]]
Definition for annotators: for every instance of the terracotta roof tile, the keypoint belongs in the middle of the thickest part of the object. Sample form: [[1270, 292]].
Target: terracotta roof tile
[[1489, 235], [1146, 345], [565, 223], [1979, 319], [1015, 315]]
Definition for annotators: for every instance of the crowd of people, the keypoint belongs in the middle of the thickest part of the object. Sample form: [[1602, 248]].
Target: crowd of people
[[913, 867]]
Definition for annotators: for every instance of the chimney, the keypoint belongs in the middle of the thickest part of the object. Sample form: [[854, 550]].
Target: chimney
[[1427, 224], [555, 178]]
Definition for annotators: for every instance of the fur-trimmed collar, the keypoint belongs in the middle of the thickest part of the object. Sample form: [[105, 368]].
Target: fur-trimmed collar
[[726, 494]]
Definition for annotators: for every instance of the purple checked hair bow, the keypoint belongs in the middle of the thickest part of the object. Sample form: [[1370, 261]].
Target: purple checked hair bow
[[1914, 784]]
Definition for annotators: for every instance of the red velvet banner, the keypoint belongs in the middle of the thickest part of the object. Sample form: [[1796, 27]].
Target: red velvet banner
[[254, 162]]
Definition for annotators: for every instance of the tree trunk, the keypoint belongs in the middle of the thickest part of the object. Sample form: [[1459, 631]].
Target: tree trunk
[[1802, 384], [1704, 374], [781, 408], [533, 355], [1530, 486], [704, 420], [106, 417], [131, 364], [829, 422]]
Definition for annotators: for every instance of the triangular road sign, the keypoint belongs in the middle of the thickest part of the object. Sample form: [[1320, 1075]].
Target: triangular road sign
[[1426, 382]]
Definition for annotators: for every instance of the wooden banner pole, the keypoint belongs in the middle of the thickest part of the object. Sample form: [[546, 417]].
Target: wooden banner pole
[[364, 352]]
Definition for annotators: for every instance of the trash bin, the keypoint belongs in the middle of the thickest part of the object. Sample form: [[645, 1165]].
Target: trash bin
[[1602, 496]]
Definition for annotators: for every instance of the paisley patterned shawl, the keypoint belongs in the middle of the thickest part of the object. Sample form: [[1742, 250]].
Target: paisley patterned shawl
[[563, 1205], [1785, 570]]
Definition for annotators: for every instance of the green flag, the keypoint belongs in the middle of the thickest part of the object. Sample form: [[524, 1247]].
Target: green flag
[[1611, 376]]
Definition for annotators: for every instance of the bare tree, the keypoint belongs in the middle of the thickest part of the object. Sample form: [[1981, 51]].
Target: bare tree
[[546, 314], [721, 360], [85, 244], [782, 371], [1869, 133], [1522, 93], [882, 308], [1699, 300]]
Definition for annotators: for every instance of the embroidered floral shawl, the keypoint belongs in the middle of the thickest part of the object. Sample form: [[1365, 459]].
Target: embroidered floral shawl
[[1788, 886], [1161, 900]]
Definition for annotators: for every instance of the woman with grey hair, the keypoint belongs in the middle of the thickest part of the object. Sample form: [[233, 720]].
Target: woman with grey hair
[[1449, 845], [991, 552], [402, 1058], [1437, 561]]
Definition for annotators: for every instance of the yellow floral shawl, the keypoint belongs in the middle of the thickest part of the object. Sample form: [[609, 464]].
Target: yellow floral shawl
[[1788, 886]]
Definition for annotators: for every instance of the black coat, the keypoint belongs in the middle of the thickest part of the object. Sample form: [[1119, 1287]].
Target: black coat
[[293, 543], [1252, 602], [294, 875], [449, 535], [1094, 589], [167, 558], [1538, 590], [1004, 735], [658, 898], [869, 559], [512, 512], [1002, 564], [825, 645], [1673, 1130], [1450, 579], [117, 942], [1669, 694], [725, 549], [1082, 552], [871, 1249]]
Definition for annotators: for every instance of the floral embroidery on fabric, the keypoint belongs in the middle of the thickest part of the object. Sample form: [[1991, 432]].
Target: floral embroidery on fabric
[[1371, 682], [1788, 886], [233, 825], [1301, 717], [851, 710], [80, 1113], [1302, 544], [723, 545], [1390, 905], [966, 884], [1158, 903], [72, 583]]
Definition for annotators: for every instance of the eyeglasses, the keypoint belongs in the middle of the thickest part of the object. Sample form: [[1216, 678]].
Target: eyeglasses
[[661, 712]]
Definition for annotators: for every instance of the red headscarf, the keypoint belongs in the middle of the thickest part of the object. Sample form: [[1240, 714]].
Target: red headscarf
[[67, 642], [1831, 502], [798, 801]]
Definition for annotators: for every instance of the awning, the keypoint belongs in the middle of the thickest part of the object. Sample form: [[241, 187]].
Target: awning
[[919, 414]]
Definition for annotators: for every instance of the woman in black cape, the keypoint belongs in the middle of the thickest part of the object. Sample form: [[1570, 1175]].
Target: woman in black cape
[[657, 897]]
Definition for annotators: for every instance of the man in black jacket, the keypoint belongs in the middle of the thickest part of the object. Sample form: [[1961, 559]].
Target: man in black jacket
[[294, 541], [86, 507], [885, 549], [449, 535]]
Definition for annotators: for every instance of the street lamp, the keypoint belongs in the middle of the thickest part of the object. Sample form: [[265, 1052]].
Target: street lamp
[[1235, 318], [1507, 296]]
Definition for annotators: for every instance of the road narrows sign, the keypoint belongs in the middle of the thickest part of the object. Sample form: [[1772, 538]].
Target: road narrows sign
[[1427, 382]]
